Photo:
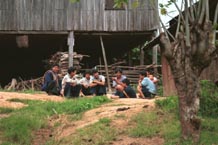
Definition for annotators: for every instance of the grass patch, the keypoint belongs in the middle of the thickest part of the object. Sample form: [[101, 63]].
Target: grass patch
[[143, 125], [28, 91], [100, 133], [17, 129], [169, 125], [6, 110]]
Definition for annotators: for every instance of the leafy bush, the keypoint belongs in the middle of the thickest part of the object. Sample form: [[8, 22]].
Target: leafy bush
[[209, 99]]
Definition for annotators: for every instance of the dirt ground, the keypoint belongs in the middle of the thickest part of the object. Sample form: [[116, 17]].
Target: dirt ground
[[5, 96], [119, 107]]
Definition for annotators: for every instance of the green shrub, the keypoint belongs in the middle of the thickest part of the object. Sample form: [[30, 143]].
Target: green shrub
[[209, 99]]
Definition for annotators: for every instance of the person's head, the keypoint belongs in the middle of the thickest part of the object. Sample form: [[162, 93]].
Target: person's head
[[95, 73], [142, 74], [149, 72], [72, 71], [126, 82], [118, 72], [87, 74], [55, 68]]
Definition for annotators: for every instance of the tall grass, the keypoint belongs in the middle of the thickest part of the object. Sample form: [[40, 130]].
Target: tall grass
[[17, 129]]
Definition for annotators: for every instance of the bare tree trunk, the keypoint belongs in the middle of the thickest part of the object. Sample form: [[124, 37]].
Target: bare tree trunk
[[189, 97]]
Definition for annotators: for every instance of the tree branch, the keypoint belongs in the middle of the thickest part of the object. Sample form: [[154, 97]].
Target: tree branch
[[187, 29], [167, 47], [207, 11], [192, 16], [179, 21], [215, 23], [199, 9], [200, 21], [179, 10]]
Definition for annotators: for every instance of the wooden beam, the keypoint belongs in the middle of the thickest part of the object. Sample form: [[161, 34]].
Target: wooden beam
[[106, 65], [70, 49], [35, 32]]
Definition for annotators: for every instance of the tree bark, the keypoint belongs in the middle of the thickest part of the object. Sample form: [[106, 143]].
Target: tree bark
[[189, 98]]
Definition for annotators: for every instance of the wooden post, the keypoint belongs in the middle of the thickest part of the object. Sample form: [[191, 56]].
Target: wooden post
[[105, 64], [71, 45], [169, 88], [154, 53], [142, 56]]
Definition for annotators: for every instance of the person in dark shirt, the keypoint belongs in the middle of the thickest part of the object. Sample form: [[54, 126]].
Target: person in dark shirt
[[124, 91], [51, 81]]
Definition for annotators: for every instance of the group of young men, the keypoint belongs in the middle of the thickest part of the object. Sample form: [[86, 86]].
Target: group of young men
[[93, 84]]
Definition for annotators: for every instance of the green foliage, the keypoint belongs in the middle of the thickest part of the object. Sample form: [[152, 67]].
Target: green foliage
[[100, 133], [120, 3], [209, 99], [145, 126], [19, 126]]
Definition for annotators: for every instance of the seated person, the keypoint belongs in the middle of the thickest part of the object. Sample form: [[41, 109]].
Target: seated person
[[97, 84], [70, 84], [85, 83], [51, 81], [151, 76], [119, 78], [124, 90], [146, 87]]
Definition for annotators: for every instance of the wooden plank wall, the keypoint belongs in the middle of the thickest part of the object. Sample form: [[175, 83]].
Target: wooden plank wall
[[62, 15], [211, 73]]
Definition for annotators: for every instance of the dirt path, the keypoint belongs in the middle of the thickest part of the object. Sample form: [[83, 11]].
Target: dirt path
[[5, 96], [121, 107]]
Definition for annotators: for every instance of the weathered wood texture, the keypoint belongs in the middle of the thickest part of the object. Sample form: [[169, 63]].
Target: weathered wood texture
[[62, 15], [211, 73]]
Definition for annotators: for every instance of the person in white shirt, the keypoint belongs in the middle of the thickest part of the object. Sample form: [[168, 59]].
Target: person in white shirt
[[151, 76], [85, 83], [70, 84], [97, 84], [119, 77]]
